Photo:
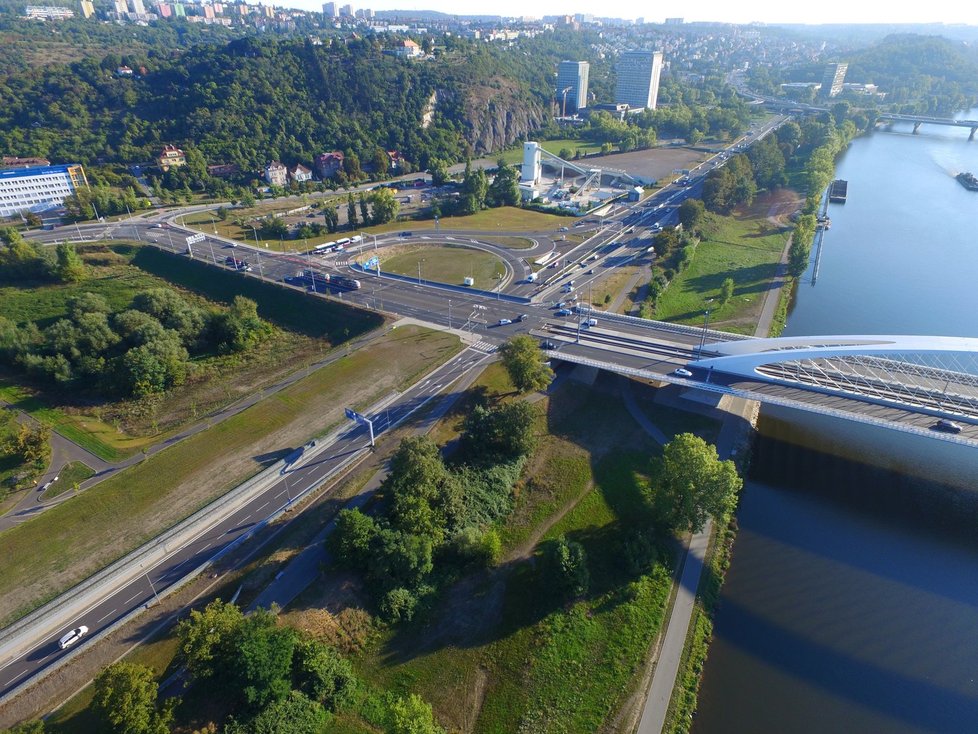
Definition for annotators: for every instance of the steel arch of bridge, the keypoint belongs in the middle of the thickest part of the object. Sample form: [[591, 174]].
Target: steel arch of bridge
[[933, 374]]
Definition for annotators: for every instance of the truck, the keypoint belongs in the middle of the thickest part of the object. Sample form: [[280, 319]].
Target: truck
[[531, 278], [341, 281], [319, 281]]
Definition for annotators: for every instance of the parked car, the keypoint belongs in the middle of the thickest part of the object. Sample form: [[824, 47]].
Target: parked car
[[72, 637]]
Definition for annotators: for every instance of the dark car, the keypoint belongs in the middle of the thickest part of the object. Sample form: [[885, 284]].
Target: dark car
[[548, 345], [947, 426]]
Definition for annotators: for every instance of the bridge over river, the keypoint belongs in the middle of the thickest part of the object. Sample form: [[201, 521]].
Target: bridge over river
[[919, 120], [906, 383]]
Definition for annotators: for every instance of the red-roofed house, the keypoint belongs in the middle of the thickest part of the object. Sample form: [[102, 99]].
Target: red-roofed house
[[171, 157], [328, 164]]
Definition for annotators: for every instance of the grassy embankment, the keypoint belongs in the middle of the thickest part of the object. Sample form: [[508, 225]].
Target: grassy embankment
[[115, 430], [447, 264], [499, 652], [69, 476], [502, 219], [746, 247], [50, 553]]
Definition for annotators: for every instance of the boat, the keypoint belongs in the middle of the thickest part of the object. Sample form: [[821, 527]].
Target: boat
[[968, 180], [839, 191]]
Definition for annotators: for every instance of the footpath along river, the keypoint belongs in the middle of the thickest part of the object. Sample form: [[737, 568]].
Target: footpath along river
[[851, 604]]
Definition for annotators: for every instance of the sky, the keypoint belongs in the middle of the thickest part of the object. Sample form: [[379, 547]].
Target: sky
[[728, 11]]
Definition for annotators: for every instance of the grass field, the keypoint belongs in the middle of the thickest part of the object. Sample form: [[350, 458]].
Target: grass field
[[446, 264], [515, 155], [70, 475], [50, 553], [501, 653], [209, 223], [745, 247], [503, 219]]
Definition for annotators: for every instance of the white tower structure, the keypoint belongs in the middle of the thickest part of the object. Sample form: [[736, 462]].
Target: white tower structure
[[531, 163]]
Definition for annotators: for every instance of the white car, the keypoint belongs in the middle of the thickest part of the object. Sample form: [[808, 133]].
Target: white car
[[504, 322], [72, 637], [682, 372]]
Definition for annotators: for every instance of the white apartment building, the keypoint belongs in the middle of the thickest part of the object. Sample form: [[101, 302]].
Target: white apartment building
[[38, 188], [638, 79]]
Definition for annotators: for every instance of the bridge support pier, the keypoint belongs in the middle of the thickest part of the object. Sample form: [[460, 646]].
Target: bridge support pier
[[972, 136], [916, 127]]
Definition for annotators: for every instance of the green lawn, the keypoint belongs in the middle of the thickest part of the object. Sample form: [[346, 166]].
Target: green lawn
[[502, 219], [515, 155], [746, 248], [54, 551], [446, 264], [70, 475]]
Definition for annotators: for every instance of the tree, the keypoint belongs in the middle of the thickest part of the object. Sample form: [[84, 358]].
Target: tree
[[525, 364], [294, 714], [351, 540], [568, 562], [381, 163], [726, 291], [125, 701], [322, 674], [385, 206], [504, 189], [691, 484], [331, 217], [503, 432], [351, 211], [691, 213], [28, 727], [411, 715], [31, 444], [263, 659], [208, 639], [425, 497], [364, 209]]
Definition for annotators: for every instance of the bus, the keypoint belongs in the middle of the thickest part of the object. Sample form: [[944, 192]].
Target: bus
[[356, 240], [340, 244], [324, 248]]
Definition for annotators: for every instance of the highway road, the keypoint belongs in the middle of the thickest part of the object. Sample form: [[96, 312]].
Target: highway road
[[312, 470]]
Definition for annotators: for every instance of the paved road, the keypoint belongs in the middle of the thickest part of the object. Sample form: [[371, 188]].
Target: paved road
[[300, 478]]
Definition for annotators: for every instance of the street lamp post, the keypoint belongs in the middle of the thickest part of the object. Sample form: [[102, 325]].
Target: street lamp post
[[706, 324], [255, 233], [419, 271], [155, 595], [288, 492], [449, 313]]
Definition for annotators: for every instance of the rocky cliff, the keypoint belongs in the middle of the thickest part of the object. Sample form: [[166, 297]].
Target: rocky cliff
[[498, 113]]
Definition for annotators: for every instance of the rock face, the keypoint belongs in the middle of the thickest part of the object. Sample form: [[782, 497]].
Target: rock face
[[497, 114]]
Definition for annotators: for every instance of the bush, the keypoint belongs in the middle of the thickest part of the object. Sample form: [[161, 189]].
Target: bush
[[399, 605]]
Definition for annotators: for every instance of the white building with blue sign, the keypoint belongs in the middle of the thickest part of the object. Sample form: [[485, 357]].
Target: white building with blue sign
[[38, 188]]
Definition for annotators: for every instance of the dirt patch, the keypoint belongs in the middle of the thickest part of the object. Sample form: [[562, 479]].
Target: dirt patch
[[654, 164], [778, 205]]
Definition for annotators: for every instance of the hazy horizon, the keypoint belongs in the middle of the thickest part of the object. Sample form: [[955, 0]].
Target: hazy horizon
[[762, 11]]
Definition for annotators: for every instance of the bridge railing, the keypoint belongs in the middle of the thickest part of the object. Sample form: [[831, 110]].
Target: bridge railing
[[759, 397]]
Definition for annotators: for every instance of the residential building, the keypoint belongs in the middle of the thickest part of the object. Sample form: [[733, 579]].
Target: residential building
[[276, 174], [832, 80], [164, 10], [38, 188], [331, 10], [123, 71], [208, 11], [572, 78], [346, 11], [121, 8], [394, 160], [87, 8], [223, 170], [638, 79], [171, 157], [138, 8], [407, 49], [328, 164], [48, 12], [674, 21], [300, 173], [12, 161]]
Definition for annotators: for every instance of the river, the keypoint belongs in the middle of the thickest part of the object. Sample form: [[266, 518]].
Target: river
[[851, 603]]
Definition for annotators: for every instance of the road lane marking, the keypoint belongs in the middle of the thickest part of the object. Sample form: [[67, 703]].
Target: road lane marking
[[107, 614], [262, 507], [132, 597]]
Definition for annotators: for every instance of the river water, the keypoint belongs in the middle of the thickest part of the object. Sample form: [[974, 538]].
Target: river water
[[851, 604]]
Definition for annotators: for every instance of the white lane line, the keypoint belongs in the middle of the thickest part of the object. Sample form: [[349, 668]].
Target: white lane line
[[132, 597], [207, 546], [108, 614], [12, 679], [262, 507]]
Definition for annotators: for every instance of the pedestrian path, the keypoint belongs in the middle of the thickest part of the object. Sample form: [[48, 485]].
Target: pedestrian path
[[485, 346]]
